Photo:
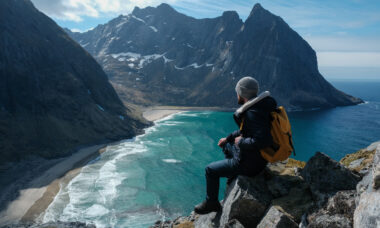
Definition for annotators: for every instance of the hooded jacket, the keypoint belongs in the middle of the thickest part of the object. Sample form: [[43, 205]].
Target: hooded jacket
[[255, 131]]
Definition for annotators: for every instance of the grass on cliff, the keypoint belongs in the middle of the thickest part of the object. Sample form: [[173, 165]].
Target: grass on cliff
[[363, 153], [295, 163]]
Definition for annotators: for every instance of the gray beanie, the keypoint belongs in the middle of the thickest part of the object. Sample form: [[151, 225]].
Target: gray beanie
[[247, 87]]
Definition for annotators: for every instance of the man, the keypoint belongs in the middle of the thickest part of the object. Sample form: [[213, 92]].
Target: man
[[241, 147]]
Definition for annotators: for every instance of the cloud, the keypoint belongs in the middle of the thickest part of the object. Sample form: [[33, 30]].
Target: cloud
[[75, 10], [348, 59], [72, 10], [344, 43], [344, 51]]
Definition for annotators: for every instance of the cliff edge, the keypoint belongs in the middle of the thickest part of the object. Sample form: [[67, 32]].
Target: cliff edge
[[320, 193]]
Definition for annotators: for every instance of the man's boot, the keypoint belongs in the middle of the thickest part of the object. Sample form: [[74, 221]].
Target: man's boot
[[207, 206]]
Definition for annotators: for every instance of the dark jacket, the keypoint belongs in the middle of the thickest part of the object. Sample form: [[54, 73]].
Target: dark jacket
[[255, 133]]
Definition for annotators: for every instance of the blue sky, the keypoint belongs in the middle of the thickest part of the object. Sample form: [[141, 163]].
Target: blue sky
[[345, 33]]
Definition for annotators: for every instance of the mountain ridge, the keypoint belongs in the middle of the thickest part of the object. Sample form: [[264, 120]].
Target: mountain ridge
[[158, 58], [54, 96]]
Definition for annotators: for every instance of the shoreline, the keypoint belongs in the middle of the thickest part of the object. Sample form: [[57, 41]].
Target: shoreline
[[155, 113], [32, 202]]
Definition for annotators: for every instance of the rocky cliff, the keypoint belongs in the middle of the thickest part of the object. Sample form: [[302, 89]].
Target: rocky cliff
[[321, 193], [53, 95], [160, 56]]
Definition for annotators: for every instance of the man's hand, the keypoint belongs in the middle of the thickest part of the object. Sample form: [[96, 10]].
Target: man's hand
[[237, 139], [222, 142]]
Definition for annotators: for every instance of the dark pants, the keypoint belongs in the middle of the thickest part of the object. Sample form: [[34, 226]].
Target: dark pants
[[225, 168], [230, 168]]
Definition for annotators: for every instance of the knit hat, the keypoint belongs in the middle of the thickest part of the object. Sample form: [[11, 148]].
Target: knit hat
[[247, 87]]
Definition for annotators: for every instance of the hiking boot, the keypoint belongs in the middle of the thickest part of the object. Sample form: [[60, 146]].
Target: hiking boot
[[207, 206]]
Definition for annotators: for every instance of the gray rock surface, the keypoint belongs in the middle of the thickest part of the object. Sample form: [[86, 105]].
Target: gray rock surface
[[330, 221], [275, 218], [376, 169], [155, 55], [326, 176], [234, 224], [247, 200], [367, 212], [338, 210]]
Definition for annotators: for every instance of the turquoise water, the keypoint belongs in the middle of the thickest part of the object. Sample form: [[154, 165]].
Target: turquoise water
[[160, 174]]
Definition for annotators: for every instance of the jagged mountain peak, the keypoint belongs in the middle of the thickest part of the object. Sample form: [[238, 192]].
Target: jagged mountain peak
[[163, 9], [233, 15], [169, 55], [166, 7], [260, 15], [257, 8]]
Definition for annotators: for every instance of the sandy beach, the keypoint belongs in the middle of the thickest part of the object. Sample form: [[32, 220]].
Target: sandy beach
[[32, 202], [158, 112]]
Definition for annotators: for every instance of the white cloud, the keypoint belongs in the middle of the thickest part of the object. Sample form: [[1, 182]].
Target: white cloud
[[72, 10], [343, 43], [348, 59], [75, 10], [343, 51], [76, 30]]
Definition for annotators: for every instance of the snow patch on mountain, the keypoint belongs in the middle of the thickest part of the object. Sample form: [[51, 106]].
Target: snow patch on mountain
[[141, 59], [153, 28], [139, 19]]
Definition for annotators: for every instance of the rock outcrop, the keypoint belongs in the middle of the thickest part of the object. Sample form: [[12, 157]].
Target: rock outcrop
[[160, 56], [367, 212], [54, 96], [276, 218], [322, 193]]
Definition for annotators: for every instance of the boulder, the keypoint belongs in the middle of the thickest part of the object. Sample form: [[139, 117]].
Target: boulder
[[246, 200], [376, 169], [326, 177], [338, 210], [342, 203], [367, 212], [275, 218], [281, 185], [210, 220], [330, 221], [297, 202], [234, 224]]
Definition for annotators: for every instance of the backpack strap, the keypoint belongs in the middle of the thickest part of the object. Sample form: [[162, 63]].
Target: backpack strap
[[241, 124]]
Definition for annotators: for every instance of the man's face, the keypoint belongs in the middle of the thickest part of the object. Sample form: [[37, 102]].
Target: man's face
[[240, 100]]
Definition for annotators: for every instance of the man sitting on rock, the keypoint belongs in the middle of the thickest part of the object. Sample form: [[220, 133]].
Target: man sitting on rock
[[241, 147]]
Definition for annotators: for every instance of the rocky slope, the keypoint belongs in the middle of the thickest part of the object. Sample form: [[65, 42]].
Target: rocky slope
[[53, 95], [322, 193], [160, 56]]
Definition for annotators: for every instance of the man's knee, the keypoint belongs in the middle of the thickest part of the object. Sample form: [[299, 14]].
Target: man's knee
[[210, 170]]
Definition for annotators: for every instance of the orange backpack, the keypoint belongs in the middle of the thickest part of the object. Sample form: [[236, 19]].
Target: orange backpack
[[281, 133]]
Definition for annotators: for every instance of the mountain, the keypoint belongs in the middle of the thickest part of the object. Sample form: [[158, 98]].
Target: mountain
[[160, 56], [54, 96]]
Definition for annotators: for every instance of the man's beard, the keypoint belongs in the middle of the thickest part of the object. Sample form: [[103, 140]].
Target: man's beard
[[240, 100]]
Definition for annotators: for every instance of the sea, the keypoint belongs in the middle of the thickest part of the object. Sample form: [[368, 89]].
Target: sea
[[160, 175]]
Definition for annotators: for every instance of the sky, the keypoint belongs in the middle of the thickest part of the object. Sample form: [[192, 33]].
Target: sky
[[344, 33]]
